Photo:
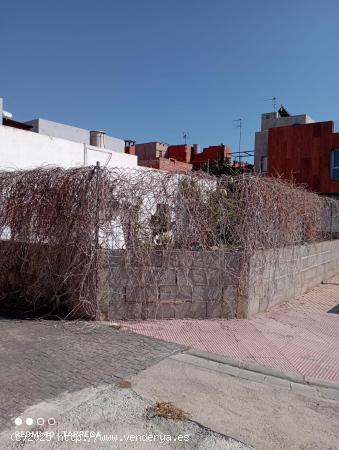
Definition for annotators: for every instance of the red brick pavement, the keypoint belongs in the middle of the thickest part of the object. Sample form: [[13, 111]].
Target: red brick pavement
[[300, 336]]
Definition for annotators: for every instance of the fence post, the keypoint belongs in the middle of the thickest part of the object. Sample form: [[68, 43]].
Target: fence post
[[96, 240]]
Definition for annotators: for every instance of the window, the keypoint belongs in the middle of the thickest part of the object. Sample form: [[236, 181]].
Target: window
[[335, 165], [263, 164]]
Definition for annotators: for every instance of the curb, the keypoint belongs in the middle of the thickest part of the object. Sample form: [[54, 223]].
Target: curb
[[258, 368]]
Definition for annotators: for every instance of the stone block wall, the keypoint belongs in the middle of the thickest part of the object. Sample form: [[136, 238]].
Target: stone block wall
[[278, 276], [177, 284], [209, 284]]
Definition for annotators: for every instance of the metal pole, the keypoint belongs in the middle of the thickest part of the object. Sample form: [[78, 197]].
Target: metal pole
[[331, 222], [240, 133], [97, 170], [239, 121]]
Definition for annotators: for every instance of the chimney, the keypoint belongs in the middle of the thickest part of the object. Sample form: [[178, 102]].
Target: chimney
[[129, 147], [97, 138]]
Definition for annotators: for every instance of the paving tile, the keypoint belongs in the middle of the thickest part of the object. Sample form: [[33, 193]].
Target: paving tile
[[43, 359], [298, 337]]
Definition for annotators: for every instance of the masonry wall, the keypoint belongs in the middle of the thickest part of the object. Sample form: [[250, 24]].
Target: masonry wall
[[180, 152], [276, 277], [210, 284], [150, 150], [211, 154], [176, 284], [179, 284], [169, 165]]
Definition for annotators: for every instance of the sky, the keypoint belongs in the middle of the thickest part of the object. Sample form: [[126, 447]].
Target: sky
[[150, 70]]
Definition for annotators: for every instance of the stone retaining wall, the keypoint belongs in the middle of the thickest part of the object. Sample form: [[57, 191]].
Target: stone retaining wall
[[276, 277], [210, 284], [175, 284], [179, 284]]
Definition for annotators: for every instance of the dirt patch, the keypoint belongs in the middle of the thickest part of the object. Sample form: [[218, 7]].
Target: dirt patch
[[169, 411]]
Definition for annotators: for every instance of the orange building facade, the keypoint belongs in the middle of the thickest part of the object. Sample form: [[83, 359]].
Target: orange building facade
[[308, 154]]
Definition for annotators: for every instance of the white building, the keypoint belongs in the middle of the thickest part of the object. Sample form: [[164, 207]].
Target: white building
[[50, 143], [75, 134]]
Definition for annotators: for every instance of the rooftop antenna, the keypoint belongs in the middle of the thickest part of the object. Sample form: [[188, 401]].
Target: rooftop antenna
[[274, 102], [185, 135], [239, 125]]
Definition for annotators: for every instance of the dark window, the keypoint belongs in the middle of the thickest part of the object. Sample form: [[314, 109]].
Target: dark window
[[335, 165]]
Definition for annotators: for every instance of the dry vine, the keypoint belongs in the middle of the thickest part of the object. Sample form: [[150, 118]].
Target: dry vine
[[60, 228]]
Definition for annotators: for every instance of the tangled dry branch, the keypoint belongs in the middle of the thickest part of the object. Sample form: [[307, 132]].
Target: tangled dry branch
[[53, 223]]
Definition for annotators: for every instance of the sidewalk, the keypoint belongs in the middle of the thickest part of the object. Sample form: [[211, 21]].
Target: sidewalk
[[300, 336]]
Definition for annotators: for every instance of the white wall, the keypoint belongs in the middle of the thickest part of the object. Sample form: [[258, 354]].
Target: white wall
[[25, 150], [109, 158], [273, 120], [74, 134]]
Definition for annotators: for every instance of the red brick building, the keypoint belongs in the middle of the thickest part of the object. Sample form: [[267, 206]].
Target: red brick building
[[307, 154], [297, 148], [181, 158]]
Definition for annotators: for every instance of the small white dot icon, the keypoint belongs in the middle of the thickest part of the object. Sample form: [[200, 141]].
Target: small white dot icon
[[51, 421], [29, 421], [18, 421], [40, 421]]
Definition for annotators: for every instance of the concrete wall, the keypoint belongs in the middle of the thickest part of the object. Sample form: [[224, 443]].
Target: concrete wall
[[275, 277], [21, 149], [261, 149], [330, 217], [177, 284], [75, 134], [273, 120]]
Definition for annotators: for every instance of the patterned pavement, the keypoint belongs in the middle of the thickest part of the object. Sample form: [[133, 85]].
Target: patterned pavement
[[300, 336], [41, 360]]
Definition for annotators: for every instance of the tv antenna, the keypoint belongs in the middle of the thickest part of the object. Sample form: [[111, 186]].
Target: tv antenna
[[274, 102], [186, 136], [239, 125]]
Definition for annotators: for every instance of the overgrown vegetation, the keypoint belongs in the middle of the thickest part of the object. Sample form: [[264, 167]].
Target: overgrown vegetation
[[222, 167], [55, 222]]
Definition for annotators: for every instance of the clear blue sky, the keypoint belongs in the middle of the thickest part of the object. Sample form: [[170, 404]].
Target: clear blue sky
[[150, 69]]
